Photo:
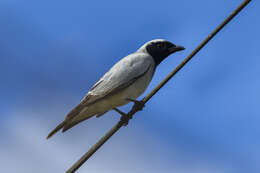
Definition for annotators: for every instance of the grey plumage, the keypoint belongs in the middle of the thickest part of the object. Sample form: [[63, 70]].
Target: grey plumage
[[126, 79]]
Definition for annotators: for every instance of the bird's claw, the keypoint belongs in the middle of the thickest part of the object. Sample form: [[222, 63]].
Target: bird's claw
[[125, 119], [138, 106]]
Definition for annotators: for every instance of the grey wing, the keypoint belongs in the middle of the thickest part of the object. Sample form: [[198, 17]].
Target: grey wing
[[120, 76]]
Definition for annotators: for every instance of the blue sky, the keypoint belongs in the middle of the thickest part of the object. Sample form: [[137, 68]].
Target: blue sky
[[205, 120]]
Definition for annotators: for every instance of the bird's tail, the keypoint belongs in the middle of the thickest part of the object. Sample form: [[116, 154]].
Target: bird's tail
[[59, 127]]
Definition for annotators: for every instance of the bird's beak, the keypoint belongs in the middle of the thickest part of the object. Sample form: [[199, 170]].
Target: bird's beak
[[175, 49]]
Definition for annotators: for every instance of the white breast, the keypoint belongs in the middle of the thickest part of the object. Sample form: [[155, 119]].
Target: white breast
[[139, 86]]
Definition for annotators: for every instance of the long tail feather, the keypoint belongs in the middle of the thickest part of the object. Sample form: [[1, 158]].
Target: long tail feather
[[59, 127], [72, 123]]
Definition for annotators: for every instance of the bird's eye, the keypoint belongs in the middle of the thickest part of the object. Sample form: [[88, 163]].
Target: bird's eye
[[159, 45]]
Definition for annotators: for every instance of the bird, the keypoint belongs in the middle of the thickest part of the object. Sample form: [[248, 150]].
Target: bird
[[122, 84]]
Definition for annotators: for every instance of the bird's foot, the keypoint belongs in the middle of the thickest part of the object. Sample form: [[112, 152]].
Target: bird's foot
[[138, 105], [124, 117]]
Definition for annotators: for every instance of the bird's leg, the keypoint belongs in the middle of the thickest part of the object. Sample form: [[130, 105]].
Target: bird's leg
[[138, 105], [120, 112], [124, 117]]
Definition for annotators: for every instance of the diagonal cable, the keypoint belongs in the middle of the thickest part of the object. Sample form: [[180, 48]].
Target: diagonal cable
[[129, 115]]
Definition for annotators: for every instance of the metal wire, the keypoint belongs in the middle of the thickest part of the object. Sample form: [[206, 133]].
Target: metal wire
[[129, 115]]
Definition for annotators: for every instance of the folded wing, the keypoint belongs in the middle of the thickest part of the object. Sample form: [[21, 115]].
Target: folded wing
[[120, 76]]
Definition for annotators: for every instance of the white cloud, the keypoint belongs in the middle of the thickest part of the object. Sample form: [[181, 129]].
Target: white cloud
[[26, 150]]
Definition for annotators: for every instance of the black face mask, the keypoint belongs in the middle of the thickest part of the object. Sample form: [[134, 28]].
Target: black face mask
[[161, 50]]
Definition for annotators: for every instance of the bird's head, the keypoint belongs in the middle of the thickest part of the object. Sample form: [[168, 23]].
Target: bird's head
[[160, 49]]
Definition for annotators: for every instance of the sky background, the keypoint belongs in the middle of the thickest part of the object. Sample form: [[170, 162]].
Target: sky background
[[205, 120]]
